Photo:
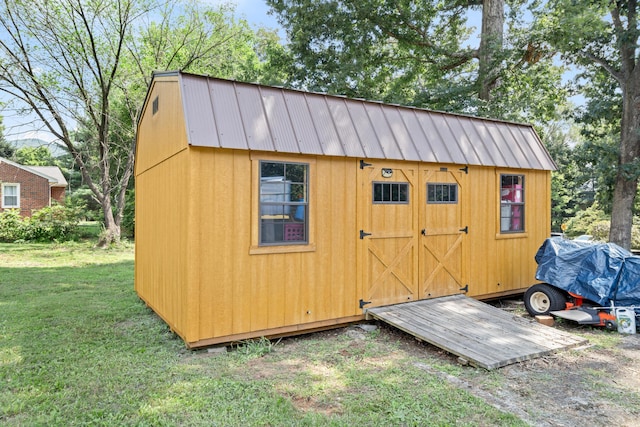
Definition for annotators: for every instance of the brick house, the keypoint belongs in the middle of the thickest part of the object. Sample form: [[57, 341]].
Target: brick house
[[29, 188]]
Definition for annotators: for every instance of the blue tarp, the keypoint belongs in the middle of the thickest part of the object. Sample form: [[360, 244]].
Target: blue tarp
[[600, 272]]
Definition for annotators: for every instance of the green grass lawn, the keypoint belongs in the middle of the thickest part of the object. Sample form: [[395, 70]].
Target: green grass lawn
[[77, 347]]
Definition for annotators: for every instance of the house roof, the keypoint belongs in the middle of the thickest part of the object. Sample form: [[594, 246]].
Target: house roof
[[230, 114], [52, 173]]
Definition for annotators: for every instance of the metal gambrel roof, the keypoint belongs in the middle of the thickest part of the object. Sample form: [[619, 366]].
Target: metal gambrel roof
[[230, 114]]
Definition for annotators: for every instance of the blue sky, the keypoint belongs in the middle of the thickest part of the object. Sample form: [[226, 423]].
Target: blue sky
[[255, 11]]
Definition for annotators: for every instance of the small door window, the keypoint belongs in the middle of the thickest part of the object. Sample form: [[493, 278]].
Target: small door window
[[390, 192], [442, 193]]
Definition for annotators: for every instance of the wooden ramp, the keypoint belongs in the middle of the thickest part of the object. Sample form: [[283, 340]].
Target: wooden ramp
[[482, 334]]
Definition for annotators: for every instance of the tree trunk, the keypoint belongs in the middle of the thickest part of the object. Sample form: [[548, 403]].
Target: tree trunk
[[111, 232], [490, 46], [628, 163]]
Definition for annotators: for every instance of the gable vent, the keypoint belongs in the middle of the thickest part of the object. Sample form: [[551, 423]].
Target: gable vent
[[155, 105]]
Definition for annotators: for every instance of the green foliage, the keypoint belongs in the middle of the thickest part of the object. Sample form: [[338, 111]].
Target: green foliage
[[599, 230], [418, 53], [572, 183], [129, 214], [635, 235], [395, 52], [54, 223], [78, 347], [6, 148], [83, 199], [595, 222], [34, 156], [12, 226], [255, 348], [51, 223], [94, 63], [601, 39], [585, 219], [597, 161]]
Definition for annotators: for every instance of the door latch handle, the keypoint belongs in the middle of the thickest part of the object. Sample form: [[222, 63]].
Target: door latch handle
[[424, 232]]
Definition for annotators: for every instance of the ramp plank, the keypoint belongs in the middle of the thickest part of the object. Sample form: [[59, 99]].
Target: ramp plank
[[482, 334]]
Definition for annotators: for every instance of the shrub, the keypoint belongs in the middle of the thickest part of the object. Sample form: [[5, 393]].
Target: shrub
[[584, 220], [12, 226], [600, 230], [54, 222], [635, 233], [595, 222]]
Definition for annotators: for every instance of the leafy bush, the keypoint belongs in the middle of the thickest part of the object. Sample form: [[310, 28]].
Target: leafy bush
[[12, 226], [54, 222], [635, 233], [600, 230], [584, 220], [595, 222], [51, 223]]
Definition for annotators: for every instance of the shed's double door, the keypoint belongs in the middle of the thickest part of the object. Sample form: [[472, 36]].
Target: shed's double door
[[414, 240]]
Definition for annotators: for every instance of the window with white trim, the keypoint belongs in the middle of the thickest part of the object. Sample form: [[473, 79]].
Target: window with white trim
[[511, 203], [10, 195], [284, 203]]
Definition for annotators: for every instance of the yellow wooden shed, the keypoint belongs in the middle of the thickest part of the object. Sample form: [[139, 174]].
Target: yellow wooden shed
[[263, 211]]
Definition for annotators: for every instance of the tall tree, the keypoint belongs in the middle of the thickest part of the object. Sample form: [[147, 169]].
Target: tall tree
[[599, 119], [393, 51], [421, 53], [605, 33], [491, 44], [61, 59], [82, 67]]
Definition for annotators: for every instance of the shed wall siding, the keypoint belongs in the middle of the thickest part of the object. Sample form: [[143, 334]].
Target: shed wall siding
[[162, 205], [199, 273], [162, 134], [242, 292], [162, 249], [505, 262]]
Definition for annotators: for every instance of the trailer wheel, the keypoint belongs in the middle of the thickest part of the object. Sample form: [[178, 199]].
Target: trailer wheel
[[611, 325], [542, 298]]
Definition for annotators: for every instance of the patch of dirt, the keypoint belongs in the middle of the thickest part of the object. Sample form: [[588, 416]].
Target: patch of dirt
[[595, 385]]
